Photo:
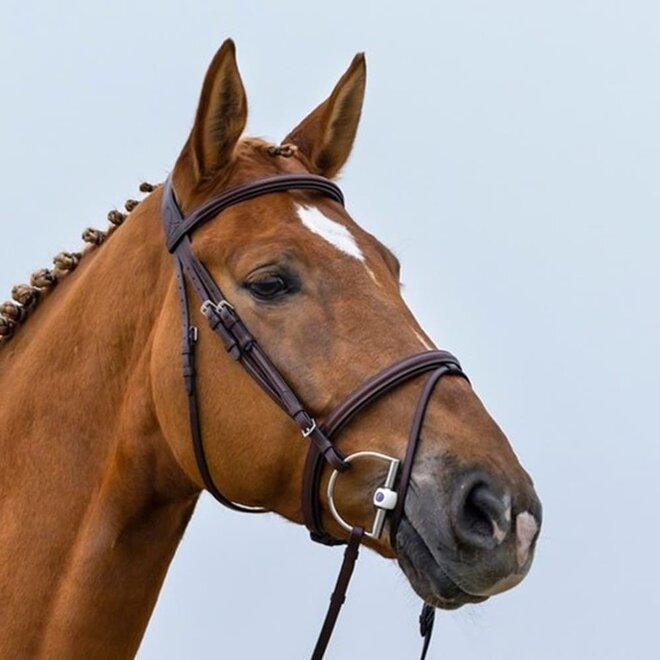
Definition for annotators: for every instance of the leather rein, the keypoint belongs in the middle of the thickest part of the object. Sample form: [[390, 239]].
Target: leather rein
[[388, 500]]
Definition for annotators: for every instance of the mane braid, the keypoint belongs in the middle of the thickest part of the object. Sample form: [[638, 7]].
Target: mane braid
[[26, 297]]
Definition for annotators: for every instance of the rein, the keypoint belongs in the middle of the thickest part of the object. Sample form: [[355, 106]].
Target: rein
[[389, 499]]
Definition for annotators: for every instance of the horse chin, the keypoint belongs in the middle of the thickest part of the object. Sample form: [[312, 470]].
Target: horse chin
[[428, 577]]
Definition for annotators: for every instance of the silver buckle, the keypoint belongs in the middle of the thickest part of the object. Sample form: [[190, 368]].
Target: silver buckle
[[208, 304], [384, 498], [309, 430]]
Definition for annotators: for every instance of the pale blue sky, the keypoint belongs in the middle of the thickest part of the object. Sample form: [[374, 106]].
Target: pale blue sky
[[509, 153]]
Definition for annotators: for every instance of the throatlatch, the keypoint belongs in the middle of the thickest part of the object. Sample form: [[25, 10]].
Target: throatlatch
[[389, 499]]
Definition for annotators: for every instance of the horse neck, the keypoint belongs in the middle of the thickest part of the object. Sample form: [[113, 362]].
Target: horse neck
[[92, 505]]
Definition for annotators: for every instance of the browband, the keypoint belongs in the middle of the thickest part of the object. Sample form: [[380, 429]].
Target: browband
[[177, 226]]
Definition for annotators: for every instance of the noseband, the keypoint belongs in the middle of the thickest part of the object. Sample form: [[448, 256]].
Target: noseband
[[389, 499]]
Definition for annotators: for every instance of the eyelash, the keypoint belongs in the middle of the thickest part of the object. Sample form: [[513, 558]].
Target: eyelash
[[269, 287]]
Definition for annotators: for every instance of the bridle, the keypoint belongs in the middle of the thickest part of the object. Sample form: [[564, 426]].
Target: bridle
[[389, 499]]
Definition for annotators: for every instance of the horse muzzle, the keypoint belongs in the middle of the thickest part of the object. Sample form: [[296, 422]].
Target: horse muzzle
[[468, 541]]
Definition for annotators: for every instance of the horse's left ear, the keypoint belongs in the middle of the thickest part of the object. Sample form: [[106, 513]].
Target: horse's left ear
[[325, 137]]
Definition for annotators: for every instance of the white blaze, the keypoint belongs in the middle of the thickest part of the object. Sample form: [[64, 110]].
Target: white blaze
[[330, 230]]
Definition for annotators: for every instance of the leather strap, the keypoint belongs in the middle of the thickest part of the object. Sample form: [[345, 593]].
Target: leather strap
[[339, 594], [338, 598], [426, 621], [177, 226], [448, 368], [189, 342]]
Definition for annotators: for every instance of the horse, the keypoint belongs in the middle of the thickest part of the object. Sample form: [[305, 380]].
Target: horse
[[99, 476]]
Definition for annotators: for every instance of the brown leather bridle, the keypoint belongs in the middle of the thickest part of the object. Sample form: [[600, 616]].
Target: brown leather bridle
[[244, 348]]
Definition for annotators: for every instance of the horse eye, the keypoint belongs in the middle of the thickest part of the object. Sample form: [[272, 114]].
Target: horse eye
[[269, 288]]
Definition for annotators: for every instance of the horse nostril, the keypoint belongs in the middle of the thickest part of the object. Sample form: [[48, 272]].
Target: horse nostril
[[482, 517]]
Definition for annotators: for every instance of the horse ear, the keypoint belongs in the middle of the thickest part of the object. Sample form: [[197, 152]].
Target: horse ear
[[325, 137], [221, 115]]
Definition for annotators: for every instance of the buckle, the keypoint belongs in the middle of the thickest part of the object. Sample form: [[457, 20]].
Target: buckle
[[310, 429], [216, 307], [384, 498]]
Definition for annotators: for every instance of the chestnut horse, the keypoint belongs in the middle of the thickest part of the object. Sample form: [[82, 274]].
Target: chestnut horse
[[98, 477]]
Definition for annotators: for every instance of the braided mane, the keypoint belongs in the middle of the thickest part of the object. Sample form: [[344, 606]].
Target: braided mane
[[26, 297]]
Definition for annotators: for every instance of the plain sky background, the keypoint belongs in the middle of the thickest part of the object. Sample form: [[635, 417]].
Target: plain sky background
[[510, 154]]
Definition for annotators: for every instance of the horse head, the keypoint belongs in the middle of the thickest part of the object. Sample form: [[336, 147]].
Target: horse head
[[322, 298]]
